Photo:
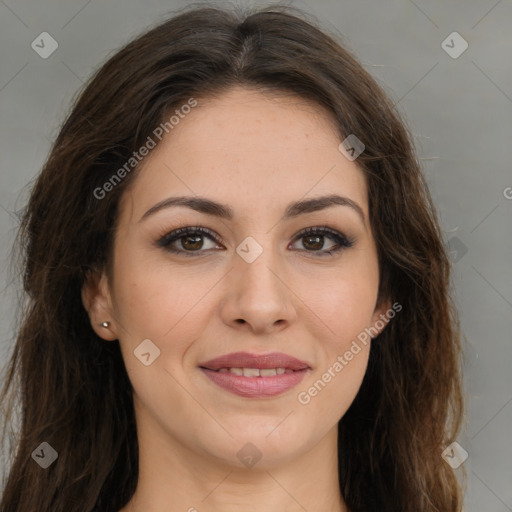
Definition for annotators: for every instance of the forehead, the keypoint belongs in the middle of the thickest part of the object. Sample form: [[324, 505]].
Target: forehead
[[247, 120], [252, 150]]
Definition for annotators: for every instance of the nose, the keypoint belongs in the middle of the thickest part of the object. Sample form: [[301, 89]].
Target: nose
[[257, 296]]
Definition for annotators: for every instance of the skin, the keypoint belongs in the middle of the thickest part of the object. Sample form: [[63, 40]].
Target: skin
[[255, 152]]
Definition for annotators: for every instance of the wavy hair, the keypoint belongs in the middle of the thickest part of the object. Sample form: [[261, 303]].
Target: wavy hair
[[72, 389]]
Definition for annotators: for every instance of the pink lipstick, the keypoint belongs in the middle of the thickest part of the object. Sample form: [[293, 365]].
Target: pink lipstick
[[255, 375]]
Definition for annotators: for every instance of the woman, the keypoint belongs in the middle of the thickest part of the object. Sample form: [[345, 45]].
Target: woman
[[239, 293]]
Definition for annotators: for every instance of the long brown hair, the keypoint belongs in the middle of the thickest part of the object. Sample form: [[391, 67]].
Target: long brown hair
[[71, 386]]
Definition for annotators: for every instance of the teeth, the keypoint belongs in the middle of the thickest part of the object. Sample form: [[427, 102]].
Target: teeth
[[250, 372], [256, 372]]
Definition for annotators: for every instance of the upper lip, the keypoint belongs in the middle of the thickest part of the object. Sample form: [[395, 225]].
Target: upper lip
[[249, 360]]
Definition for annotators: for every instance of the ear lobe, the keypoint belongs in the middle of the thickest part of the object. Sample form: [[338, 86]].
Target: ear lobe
[[380, 319], [96, 300]]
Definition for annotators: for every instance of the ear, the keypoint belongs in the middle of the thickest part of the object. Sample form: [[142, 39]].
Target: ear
[[97, 302], [381, 317]]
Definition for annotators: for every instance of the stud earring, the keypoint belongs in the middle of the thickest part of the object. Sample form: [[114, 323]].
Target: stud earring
[[105, 324]]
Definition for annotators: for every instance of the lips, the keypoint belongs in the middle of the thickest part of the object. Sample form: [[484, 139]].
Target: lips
[[259, 361], [255, 375]]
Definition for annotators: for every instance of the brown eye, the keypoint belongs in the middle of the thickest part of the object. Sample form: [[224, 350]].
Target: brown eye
[[191, 240], [313, 240]]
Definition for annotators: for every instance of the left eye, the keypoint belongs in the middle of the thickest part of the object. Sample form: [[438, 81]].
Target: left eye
[[191, 240], [317, 236]]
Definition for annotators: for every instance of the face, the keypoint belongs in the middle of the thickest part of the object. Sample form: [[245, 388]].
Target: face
[[250, 282]]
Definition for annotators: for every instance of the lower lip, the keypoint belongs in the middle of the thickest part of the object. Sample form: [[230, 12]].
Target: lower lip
[[256, 387]]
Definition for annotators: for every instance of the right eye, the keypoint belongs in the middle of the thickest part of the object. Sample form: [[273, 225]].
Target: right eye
[[189, 238]]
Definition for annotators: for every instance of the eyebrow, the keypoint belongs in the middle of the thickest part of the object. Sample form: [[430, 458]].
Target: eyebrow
[[209, 207]]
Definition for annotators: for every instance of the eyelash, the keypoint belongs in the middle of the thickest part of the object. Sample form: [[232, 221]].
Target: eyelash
[[166, 240]]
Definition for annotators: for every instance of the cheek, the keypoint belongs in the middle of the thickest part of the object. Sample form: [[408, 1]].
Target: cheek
[[344, 303], [167, 306], [151, 296], [344, 300]]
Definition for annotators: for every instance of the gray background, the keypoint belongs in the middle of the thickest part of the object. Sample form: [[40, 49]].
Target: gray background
[[459, 109]]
